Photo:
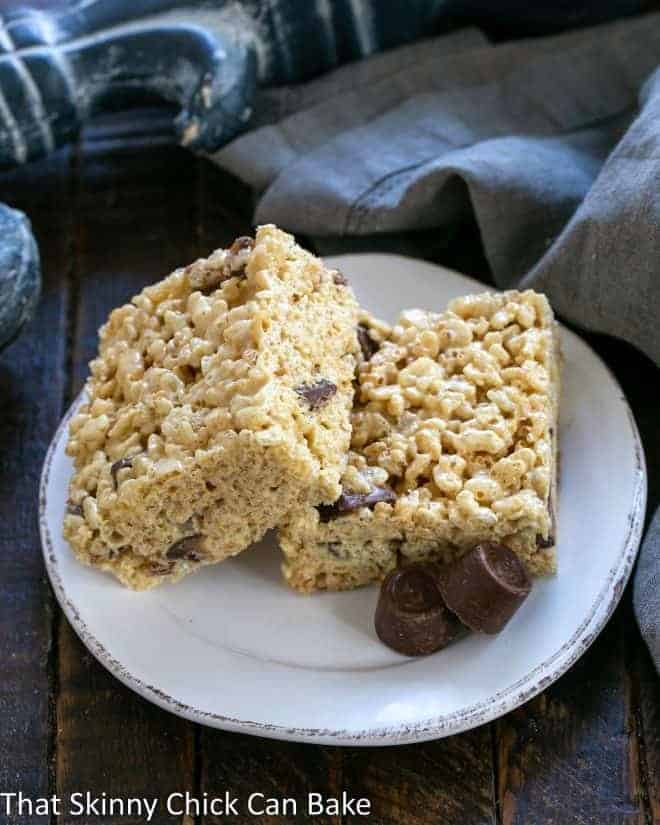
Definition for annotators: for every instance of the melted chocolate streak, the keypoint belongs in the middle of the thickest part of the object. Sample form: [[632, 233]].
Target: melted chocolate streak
[[353, 501], [318, 393]]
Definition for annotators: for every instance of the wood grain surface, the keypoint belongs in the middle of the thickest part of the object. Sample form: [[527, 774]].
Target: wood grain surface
[[123, 208], [33, 381], [134, 221]]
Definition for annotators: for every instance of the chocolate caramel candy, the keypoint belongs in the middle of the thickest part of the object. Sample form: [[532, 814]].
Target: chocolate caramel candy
[[411, 616], [485, 587]]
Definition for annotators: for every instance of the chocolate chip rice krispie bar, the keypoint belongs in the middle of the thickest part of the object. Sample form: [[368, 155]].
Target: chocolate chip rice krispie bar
[[454, 443], [219, 401]]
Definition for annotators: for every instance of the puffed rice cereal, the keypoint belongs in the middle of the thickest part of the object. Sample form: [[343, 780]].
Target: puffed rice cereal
[[454, 442], [220, 400]]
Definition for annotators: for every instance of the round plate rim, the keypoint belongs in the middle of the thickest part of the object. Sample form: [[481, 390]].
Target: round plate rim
[[437, 727]]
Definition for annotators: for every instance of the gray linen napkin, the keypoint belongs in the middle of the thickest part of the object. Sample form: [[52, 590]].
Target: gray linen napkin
[[553, 143]]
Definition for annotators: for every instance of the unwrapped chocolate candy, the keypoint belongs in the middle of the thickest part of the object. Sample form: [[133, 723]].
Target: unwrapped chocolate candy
[[411, 616], [485, 587]]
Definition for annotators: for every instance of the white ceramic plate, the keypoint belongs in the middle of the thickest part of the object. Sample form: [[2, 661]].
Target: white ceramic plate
[[234, 648]]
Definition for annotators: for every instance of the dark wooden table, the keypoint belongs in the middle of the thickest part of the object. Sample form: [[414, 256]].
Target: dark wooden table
[[123, 208]]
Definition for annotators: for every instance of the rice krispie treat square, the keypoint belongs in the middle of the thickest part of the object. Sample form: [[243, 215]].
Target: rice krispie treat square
[[453, 443], [219, 401]]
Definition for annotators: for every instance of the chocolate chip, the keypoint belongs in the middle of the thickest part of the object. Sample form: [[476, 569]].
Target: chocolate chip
[[236, 260], [327, 512], [120, 465], [367, 343], [411, 616], [543, 543], [353, 501], [188, 548], [241, 243], [74, 509], [339, 278], [158, 568], [318, 393], [485, 587]]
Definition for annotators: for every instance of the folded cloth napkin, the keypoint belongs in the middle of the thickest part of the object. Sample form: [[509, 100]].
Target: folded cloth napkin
[[553, 143]]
